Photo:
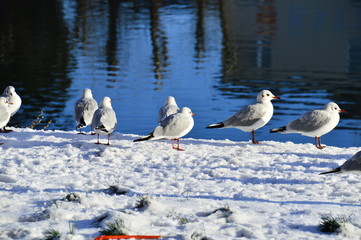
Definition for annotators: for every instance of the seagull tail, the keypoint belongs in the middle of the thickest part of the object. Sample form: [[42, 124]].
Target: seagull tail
[[102, 128], [336, 170], [81, 123], [216, 125], [276, 130], [148, 137]]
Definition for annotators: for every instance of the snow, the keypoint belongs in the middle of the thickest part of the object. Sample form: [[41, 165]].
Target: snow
[[212, 190]]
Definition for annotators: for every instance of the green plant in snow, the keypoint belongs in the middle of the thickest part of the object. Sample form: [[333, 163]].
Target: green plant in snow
[[143, 202], [114, 228], [52, 234], [330, 224]]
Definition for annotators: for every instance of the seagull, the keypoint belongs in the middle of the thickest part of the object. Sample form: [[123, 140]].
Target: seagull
[[251, 117], [15, 100], [351, 165], [314, 123], [84, 109], [173, 127], [104, 120], [5, 112], [170, 107]]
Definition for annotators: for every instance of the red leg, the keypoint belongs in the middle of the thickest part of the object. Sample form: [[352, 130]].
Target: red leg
[[253, 141], [318, 143], [178, 147]]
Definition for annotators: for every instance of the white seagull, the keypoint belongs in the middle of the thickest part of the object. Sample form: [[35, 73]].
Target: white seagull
[[104, 120], [84, 109], [351, 165], [170, 107], [314, 123], [251, 117], [173, 127], [15, 100], [5, 113]]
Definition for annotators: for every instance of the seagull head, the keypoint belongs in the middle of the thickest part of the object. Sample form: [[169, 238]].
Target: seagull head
[[170, 101], [331, 106], [106, 102], [9, 90], [265, 96], [187, 110], [87, 93]]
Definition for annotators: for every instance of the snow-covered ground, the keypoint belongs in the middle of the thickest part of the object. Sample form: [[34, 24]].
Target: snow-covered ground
[[212, 190]]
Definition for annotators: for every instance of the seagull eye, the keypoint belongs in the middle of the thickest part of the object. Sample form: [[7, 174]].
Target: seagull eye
[[267, 94]]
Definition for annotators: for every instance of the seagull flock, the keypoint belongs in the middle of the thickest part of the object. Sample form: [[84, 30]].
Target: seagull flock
[[174, 123]]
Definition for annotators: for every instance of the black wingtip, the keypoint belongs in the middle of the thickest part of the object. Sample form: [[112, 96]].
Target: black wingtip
[[276, 130], [102, 128], [216, 125], [336, 170], [144, 138], [81, 123]]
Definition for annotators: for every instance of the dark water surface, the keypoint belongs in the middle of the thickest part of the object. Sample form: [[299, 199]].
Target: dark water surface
[[212, 56]]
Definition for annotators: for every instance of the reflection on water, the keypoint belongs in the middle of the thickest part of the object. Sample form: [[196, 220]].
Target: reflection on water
[[213, 56]]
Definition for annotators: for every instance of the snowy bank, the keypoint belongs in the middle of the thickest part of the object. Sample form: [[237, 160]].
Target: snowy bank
[[61, 181]]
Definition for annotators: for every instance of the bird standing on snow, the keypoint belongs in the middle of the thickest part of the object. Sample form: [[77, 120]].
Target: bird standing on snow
[[170, 107], [15, 100], [4, 111], [314, 123], [84, 109], [251, 117], [104, 120], [351, 165], [173, 127]]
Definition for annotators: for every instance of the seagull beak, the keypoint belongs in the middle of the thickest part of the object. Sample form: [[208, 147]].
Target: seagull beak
[[10, 103], [193, 114], [341, 110], [275, 97]]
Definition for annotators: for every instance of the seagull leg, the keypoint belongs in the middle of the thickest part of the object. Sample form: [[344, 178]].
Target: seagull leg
[[318, 143], [98, 142], [178, 147], [253, 141], [80, 132]]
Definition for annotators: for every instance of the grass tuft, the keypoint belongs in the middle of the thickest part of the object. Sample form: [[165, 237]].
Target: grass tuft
[[116, 190], [114, 228], [72, 197], [330, 224], [52, 234], [143, 202]]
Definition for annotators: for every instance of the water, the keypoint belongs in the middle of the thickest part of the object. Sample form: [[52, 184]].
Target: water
[[212, 56]]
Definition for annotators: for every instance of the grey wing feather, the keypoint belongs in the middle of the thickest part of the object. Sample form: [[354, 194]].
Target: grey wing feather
[[108, 119], [166, 111], [352, 165], [310, 121], [246, 116], [85, 108], [172, 125]]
